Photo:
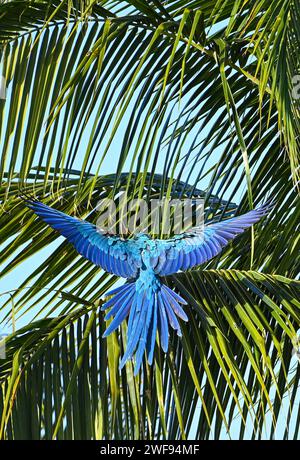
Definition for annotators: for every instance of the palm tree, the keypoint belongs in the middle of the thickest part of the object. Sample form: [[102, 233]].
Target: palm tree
[[158, 98]]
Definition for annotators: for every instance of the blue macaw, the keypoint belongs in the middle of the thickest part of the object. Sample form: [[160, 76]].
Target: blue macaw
[[150, 304]]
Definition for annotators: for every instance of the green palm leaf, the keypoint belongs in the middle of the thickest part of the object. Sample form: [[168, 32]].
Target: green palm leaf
[[157, 98]]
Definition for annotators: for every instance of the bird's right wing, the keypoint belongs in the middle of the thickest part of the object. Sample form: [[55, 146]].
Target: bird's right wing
[[114, 255], [197, 246]]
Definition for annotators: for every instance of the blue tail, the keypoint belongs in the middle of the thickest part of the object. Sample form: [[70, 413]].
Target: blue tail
[[151, 306]]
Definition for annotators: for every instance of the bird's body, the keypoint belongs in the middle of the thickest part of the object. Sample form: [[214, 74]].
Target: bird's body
[[149, 304]]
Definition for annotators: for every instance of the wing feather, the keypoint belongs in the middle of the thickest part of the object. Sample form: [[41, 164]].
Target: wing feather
[[111, 253], [196, 246]]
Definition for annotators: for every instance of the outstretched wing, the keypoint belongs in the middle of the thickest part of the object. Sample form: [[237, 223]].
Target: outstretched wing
[[200, 245], [114, 255]]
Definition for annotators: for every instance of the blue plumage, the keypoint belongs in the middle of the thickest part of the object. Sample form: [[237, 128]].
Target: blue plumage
[[144, 299]]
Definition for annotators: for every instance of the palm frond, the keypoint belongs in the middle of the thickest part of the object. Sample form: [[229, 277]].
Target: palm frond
[[156, 98], [242, 329]]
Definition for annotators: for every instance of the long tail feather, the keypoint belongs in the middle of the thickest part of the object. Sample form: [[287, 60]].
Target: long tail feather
[[152, 307], [152, 334]]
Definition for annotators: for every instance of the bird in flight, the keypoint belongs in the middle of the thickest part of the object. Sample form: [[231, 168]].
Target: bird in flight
[[151, 305]]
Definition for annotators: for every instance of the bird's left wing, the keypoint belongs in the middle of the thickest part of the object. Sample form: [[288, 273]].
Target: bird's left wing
[[114, 255], [197, 246]]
